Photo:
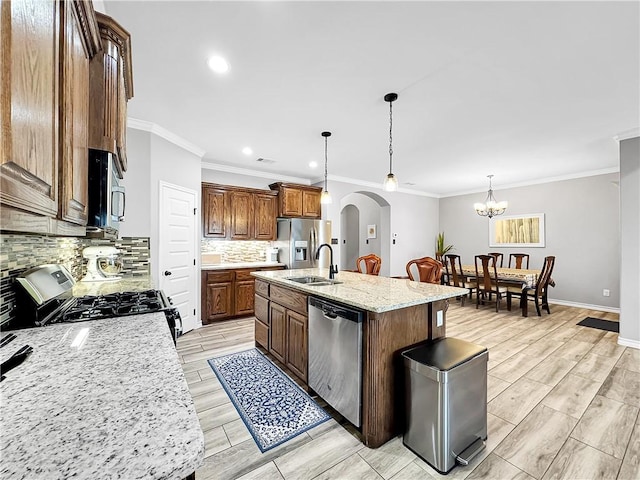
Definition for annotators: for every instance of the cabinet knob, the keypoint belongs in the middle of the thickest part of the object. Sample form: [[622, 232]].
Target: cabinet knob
[[167, 273]]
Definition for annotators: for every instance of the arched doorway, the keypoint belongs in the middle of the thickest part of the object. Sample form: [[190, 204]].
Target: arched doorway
[[359, 211]]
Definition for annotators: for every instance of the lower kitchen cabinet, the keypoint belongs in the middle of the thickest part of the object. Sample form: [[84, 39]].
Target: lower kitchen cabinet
[[282, 313], [228, 293]]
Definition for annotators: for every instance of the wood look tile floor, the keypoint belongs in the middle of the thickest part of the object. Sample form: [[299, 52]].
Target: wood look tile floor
[[563, 403]]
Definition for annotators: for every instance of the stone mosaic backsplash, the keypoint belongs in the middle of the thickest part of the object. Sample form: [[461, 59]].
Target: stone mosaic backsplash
[[236, 252], [19, 252]]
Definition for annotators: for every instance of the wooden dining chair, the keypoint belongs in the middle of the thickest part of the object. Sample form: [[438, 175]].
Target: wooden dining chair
[[518, 259], [429, 270], [487, 283], [499, 258], [455, 277], [369, 264], [537, 293]]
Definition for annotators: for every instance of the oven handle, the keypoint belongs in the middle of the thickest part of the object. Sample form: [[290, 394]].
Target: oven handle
[[117, 190]]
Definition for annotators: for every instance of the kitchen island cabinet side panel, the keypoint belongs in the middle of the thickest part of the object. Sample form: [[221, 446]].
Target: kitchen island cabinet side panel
[[386, 335]]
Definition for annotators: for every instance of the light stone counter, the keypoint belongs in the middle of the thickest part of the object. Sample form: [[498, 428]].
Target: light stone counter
[[232, 266], [125, 284], [98, 399], [368, 292]]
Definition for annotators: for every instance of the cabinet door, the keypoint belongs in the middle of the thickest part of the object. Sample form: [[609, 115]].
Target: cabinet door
[[297, 344], [29, 107], [311, 204], [214, 208], [277, 332], [291, 202], [241, 204], [219, 301], [266, 212], [244, 297], [74, 188]]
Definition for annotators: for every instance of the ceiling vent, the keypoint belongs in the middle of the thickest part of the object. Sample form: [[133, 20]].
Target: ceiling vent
[[266, 161]]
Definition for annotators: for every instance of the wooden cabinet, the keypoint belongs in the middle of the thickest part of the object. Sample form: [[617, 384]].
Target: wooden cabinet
[[237, 213], [214, 211], [230, 293], [111, 86], [46, 49], [298, 201], [217, 288], [282, 313]]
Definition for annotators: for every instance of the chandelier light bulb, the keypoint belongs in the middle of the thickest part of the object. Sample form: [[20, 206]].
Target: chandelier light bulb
[[390, 183]]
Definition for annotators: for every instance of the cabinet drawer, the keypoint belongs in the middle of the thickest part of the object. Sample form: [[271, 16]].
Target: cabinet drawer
[[244, 275], [262, 334], [262, 287], [220, 276], [290, 299], [261, 309]]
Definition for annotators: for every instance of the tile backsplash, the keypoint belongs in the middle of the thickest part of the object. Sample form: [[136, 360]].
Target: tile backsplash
[[19, 252], [238, 251]]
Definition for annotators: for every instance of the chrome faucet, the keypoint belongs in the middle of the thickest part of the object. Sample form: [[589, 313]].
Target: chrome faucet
[[333, 269]]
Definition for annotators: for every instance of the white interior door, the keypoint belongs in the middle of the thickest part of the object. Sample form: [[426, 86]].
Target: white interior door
[[177, 251]]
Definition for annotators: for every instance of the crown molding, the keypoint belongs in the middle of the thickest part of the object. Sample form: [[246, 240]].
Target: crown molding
[[632, 133], [573, 176], [253, 173], [171, 137]]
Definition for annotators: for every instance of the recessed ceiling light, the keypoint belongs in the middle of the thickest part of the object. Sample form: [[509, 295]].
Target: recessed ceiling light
[[218, 64], [313, 164], [247, 151]]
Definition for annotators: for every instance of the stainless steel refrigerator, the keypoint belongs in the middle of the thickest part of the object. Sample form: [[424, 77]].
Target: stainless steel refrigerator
[[299, 239]]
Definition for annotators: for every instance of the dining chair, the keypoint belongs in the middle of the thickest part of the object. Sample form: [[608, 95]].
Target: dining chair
[[537, 293], [487, 282], [455, 277], [518, 259], [499, 258], [369, 264], [429, 270]]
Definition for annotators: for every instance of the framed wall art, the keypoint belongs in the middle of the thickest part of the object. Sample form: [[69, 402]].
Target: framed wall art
[[371, 231], [517, 230]]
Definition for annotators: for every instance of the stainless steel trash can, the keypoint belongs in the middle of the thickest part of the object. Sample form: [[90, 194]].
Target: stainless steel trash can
[[446, 401]]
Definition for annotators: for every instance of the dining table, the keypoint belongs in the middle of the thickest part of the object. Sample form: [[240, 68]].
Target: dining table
[[515, 277]]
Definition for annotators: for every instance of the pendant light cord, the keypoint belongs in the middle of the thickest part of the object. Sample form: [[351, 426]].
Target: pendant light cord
[[390, 137], [325, 164]]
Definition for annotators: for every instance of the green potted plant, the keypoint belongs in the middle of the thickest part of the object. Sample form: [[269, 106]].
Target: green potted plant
[[441, 248]]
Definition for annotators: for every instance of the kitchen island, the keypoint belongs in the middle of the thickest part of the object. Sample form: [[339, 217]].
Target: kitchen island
[[98, 399], [398, 313]]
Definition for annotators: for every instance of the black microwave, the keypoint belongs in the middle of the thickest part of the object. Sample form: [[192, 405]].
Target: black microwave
[[106, 195]]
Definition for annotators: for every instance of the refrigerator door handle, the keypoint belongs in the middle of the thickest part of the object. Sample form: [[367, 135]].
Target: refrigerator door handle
[[314, 247]]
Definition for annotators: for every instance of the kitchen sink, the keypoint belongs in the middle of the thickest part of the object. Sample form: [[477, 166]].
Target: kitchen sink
[[313, 281]]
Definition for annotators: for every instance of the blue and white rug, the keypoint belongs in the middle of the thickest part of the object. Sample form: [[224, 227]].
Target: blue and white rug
[[272, 406]]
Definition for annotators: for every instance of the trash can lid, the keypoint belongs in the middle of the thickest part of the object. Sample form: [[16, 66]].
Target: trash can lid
[[444, 353]]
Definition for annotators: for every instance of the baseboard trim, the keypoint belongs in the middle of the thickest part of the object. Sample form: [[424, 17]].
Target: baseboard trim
[[626, 342], [588, 306]]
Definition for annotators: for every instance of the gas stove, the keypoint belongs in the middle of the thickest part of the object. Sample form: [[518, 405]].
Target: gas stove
[[44, 298]]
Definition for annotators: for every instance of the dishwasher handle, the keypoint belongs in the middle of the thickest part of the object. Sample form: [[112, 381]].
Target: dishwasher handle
[[333, 310]]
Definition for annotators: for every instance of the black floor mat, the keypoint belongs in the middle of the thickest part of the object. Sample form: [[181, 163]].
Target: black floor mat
[[600, 324]]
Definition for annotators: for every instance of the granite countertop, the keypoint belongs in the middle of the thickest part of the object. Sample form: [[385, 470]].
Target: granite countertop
[[231, 266], [368, 292], [98, 399], [125, 284]]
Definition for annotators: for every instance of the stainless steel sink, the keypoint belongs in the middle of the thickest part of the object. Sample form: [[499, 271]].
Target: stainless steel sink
[[313, 281]]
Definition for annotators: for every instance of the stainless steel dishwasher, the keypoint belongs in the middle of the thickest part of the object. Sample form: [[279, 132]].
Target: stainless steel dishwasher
[[335, 356]]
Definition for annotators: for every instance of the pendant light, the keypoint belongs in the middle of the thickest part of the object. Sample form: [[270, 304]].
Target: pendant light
[[491, 207], [325, 197], [390, 183]]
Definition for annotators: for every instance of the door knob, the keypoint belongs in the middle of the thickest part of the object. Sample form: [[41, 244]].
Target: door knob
[[167, 273]]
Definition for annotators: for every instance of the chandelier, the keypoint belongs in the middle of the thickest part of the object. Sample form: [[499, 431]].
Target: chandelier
[[325, 197], [491, 207], [390, 183]]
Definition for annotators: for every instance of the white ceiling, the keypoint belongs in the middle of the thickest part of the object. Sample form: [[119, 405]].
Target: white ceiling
[[523, 90]]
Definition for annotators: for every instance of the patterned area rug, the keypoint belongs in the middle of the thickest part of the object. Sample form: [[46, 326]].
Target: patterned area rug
[[600, 324], [272, 406]]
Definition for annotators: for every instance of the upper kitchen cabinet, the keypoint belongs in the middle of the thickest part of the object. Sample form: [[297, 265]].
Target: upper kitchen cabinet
[[111, 87], [46, 50], [237, 213], [298, 201]]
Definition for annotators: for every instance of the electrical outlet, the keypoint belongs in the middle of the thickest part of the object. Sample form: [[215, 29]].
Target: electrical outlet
[[439, 318], [606, 292]]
